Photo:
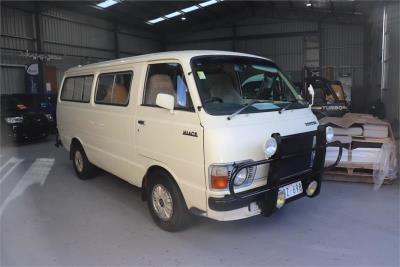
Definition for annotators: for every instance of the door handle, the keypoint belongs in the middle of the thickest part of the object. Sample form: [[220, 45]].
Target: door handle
[[141, 122]]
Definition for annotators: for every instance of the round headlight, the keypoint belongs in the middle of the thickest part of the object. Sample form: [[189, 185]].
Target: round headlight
[[311, 188], [281, 199], [270, 147], [329, 134], [241, 177]]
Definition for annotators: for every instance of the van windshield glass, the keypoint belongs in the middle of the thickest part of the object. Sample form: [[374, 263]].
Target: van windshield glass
[[228, 83]]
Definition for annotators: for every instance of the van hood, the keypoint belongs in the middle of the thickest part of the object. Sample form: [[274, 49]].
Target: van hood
[[243, 137]]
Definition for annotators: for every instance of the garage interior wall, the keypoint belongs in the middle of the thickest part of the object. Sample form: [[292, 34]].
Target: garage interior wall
[[336, 49], [391, 86], [385, 88], [72, 39]]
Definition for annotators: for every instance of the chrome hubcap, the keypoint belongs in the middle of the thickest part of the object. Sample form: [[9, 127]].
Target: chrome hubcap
[[162, 202], [79, 161]]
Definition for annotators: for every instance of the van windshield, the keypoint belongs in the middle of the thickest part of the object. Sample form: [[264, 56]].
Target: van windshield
[[228, 83]]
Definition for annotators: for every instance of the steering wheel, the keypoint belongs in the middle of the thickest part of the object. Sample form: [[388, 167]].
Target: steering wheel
[[213, 99]]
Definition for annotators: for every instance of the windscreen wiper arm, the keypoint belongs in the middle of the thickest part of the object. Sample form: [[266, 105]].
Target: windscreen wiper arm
[[287, 106], [243, 108]]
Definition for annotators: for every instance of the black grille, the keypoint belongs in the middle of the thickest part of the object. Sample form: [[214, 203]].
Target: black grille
[[294, 144]]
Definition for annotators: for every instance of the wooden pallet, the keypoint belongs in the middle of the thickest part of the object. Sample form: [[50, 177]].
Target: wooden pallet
[[353, 175]]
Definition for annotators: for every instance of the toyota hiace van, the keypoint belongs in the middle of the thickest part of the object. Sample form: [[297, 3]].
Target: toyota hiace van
[[218, 134]]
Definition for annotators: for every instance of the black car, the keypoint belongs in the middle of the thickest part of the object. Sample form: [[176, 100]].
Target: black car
[[24, 117]]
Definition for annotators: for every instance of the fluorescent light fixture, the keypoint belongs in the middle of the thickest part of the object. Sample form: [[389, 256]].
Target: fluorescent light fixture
[[179, 12], [308, 4], [208, 3], [189, 9], [173, 14], [153, 21], [107, 3]]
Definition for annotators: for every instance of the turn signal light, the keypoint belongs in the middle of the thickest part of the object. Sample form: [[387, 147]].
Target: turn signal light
[[219, 182]]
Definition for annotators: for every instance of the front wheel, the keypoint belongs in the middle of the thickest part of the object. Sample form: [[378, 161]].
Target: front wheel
[[83, 168], [166, 203]]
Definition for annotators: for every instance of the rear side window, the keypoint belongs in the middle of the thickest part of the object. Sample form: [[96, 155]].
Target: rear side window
[[113, 88], [77, 89]]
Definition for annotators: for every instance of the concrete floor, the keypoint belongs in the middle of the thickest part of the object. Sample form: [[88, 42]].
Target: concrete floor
[[48, 217]]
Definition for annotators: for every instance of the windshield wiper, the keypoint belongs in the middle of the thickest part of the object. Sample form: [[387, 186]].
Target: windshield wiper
[[287, 106], [243, 108]]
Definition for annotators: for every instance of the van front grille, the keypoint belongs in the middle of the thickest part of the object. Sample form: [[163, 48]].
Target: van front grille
[[293, 144]]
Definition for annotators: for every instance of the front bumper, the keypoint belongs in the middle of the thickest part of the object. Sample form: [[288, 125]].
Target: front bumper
[[266, 196], [23, 131]]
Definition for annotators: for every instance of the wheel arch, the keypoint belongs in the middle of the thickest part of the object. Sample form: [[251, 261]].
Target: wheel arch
[[150, 170], [75, 141]]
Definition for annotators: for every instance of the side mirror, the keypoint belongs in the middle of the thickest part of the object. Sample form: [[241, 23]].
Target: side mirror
[[312, 93], [165, 101]]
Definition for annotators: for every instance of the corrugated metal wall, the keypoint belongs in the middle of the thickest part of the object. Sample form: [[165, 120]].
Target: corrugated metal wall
[[340, 45], [75, 38], [17, 34], [79, 39], [342, 51], [255, 36], [12, 80]]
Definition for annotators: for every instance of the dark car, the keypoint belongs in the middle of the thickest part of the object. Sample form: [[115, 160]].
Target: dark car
[[25, 117]]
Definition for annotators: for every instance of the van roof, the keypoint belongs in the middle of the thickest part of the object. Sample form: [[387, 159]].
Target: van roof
[[186, 54]]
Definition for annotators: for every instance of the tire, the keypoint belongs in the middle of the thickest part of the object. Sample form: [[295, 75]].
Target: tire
[[166, 203], [83, 168]]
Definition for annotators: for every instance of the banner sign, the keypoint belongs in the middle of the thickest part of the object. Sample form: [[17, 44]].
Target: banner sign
[[32, 78]]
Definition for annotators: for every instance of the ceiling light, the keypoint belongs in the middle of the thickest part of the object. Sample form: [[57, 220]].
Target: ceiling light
[[179, 12], [173, 14], [153, 21], [208, 3], [308, 4], [107, 3], [189, 9]]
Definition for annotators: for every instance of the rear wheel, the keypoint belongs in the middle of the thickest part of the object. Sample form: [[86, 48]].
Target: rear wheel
[[83, 168], [166, 203]]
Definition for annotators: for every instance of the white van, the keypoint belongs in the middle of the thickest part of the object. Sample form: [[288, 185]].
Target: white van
[[219, 134]]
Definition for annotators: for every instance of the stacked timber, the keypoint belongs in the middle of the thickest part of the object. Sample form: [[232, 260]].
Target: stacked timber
[[369, 149]]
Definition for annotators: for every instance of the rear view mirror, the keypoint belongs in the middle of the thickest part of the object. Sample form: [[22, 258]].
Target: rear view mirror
[[165, 101], [312, 93]]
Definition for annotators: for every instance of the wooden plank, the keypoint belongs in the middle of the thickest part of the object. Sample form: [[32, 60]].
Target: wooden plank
[[354, 179], [353, 165], [362, 139], [352, 175]]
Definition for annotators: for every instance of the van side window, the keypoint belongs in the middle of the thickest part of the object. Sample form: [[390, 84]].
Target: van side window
[[113, 88], [77, 89], [167, 78]]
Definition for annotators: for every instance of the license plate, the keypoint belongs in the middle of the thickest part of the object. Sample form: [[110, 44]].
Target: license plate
[[292, 190]]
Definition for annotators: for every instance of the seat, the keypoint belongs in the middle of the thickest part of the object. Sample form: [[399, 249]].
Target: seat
[[220, 85], [120, 94], [158, 83]]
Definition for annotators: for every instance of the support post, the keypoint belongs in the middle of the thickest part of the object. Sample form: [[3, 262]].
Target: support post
[[116, 41], [39, 47]]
